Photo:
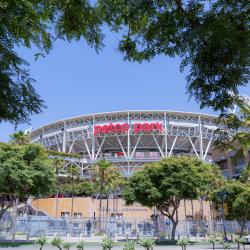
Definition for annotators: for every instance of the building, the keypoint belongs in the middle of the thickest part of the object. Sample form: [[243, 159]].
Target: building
[[129, 139]]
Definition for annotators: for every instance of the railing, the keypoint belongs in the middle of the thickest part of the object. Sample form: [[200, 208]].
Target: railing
[[35, 226]]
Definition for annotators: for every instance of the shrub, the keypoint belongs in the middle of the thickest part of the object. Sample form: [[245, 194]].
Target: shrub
[[147, 243], [183, 243], [107, 244], [41, 241], [57, 242], [129, 245], [80, 245]]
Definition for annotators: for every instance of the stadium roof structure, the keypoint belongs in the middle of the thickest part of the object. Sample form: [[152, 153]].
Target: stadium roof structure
[[129, 139]]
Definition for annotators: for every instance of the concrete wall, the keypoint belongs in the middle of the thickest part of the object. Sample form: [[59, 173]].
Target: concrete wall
[[87, 207]]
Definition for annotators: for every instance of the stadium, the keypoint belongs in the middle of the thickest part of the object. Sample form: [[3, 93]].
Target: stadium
[[129, 139]]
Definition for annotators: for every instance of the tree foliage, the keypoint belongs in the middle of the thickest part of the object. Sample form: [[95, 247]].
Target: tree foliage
[[37, 23], [165, 183], [212, 38], [237, 198], [25, 170]]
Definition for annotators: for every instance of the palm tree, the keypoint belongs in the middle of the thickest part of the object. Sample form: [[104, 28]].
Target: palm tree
[[19, 138], [114, 183], [102, 172], [58, 164], [74, 176]]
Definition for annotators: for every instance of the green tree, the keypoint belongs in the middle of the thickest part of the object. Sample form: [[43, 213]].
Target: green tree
[[102, 172], [245, 175], [234, 134], [19, 137], [212, 39], [25, 170], [165, 183], [237, 199], [241, 208], [37, 24]]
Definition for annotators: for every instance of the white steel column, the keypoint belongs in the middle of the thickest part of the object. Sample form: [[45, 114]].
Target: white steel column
[[166, 135], [128, 142], [64, 138], [193, 147], [208, 146], [93, 139], [138, 140], [119, 141], [170, 152], [157, 144], [200, 139], [86, 145]]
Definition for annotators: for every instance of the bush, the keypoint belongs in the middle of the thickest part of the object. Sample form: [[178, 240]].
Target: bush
[[80, 245], [107, 244], [41, 241], [129, 245], [147, 243], [57, 242], [183, 243], [66, 245]]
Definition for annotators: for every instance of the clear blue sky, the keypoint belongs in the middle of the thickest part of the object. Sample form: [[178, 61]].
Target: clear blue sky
[[74, 80]]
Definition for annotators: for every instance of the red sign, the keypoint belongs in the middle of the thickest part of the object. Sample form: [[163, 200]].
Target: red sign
[[145, 127], [137, 127], [111, 128]]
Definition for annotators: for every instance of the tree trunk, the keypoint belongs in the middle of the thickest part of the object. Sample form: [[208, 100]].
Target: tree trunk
[[174, 225], [192, 206], [14, 219], [107, 208], [242, 226], [100, 209], [72, 213], [114, 204], [107, 214]]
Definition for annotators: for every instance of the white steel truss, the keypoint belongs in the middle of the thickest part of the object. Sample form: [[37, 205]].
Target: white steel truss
[[182, 133]]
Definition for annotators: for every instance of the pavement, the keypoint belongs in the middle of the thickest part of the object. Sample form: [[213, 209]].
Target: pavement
[[120, 247]]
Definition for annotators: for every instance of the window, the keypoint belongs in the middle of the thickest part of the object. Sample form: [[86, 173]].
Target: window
[[64, 214], [77, 215]]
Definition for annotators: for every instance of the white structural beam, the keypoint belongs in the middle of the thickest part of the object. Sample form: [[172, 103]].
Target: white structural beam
[[172, 147], [122, 148], [159, 148], [208, 146], [200, 139], [193, 147], [135, 147], [86, 145], [99, 150]]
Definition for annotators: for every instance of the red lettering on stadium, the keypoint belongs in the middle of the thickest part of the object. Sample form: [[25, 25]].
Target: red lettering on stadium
[[137, 127], [105, 129], [146, 127]]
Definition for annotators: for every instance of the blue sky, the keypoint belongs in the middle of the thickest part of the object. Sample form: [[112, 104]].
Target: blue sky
[[74, 80]]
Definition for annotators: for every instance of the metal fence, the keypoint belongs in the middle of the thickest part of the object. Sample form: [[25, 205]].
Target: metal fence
[[35, 226]]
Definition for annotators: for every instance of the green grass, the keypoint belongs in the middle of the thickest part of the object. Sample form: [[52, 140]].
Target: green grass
[[15, 244]]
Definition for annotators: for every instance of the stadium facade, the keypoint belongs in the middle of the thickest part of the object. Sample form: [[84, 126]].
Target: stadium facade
[[129, 139]]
